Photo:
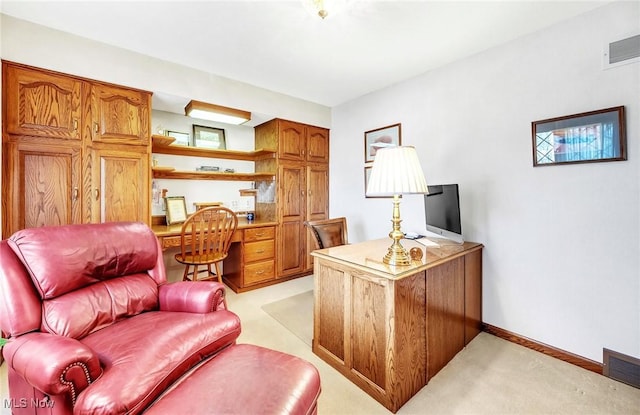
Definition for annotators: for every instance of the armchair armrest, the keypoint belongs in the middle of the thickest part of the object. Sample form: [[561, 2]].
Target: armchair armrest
[[192, 297], [53, 364]]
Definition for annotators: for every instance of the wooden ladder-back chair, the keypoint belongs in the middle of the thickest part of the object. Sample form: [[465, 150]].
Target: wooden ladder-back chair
[[205, 240], [328, 232]]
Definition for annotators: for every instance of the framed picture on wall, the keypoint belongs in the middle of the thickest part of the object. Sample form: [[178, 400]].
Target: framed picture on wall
[[367, 174], [587, 137], [209, 137], [182, 139], [389, 136]]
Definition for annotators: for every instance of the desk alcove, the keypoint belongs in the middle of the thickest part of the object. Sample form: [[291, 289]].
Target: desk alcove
[[391, 329], [251, 260]]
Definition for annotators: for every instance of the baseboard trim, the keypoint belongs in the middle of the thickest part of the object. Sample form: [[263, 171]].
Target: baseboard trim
[[568, 357]]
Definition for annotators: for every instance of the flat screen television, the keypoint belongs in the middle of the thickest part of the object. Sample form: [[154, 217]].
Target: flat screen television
[[442, 211]]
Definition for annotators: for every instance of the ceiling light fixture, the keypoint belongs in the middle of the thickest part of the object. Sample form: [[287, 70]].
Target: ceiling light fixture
[[211, 112], [322, 8]]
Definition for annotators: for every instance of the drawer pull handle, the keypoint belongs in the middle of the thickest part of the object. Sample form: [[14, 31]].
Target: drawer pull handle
[[260, 234], [260, 272], [260, 251]]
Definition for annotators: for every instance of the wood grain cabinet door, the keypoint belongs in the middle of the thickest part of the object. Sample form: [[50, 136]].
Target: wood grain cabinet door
[[317, 145], [44, 185], [42, 104], [317, 203], [291, 145], [291, 195], [119, 115], [119, 186]]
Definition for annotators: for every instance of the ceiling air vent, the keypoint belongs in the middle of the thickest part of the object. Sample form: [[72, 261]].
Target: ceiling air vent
[[622, 52]]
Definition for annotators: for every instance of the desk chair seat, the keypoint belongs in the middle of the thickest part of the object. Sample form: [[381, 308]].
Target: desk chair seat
[[328, 232], [205, 240]]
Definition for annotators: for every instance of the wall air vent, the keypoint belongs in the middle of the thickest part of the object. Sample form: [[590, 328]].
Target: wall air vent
[[622, 52], [621, 367]]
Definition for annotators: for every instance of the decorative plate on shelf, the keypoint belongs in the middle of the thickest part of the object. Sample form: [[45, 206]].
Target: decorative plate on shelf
[[162, 140], [162, 168]]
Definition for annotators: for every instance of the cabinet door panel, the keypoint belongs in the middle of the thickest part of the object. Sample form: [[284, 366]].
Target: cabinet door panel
[[42, 104], [318, 192], [317, 202], [445, 313], [317, 145], [292, 141], [42, 188], [120, 188], [292, 192], [291, 250], [120, 115]]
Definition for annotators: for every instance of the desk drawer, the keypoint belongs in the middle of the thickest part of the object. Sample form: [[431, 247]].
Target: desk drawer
[[257, 251], [259, 234], [258, 272]]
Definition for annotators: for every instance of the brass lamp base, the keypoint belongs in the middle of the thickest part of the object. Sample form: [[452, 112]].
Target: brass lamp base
[[396, 254]]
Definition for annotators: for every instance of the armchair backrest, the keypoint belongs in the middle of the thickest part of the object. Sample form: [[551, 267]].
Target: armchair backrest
[[328, 232], [72, 280]]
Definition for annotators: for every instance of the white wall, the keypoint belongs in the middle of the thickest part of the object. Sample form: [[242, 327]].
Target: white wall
[[237, 137], [562, 248], [40, 46]]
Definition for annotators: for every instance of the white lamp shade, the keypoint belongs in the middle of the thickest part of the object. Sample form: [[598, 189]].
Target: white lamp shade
[[396, 170]]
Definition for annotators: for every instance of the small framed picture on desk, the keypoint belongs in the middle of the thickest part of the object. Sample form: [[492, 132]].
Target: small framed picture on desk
[[176, 209]]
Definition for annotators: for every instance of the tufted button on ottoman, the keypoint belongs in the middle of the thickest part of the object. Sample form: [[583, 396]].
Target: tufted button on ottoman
[[245, 379]]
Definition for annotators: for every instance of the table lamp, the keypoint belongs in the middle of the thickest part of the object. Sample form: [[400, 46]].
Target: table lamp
[[396, 171]]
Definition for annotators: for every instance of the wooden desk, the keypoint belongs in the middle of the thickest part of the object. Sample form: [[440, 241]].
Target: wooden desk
[[251, 260], [391, 329]]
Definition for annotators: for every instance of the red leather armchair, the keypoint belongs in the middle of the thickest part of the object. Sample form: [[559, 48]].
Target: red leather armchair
[[94, 326]]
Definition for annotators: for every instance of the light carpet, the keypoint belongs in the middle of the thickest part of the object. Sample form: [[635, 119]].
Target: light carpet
[[295, 314], [489, 376]]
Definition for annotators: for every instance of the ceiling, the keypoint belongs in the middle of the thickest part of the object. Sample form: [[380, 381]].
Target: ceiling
[[281, 46]]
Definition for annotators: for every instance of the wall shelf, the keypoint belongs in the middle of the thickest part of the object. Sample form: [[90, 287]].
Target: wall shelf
[[258, 154], [199, 175]]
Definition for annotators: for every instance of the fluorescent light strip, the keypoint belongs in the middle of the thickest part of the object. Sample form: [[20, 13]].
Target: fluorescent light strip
[[218, 113]]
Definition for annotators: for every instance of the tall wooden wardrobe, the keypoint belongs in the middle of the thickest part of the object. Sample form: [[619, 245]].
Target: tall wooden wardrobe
[[74, 150], [302, 165]]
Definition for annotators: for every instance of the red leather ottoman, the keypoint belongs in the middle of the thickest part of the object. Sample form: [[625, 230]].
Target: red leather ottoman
[[245, 379]]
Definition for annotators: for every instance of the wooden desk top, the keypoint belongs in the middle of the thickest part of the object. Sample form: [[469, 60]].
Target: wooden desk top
[[367, 256], [163, 231]]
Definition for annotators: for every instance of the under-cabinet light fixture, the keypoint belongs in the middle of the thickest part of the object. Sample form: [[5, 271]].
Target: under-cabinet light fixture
[[211, 112]]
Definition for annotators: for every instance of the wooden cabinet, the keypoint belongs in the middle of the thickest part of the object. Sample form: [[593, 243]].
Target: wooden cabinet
[[119, 177], [391, 329], [302, 142], [317, 185], [41, 185], [291, 213], [251, 261], [74, 150], [41, 104], [302, 188], [119, 115], [317, 145]]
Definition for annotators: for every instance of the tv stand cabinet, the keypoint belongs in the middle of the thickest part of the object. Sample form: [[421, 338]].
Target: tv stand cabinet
[[391, 329]]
